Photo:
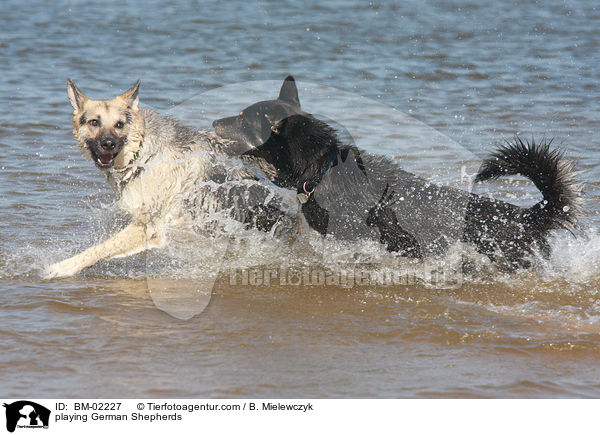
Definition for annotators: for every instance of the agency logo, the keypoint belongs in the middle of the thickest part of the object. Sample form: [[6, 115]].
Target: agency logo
[[26, 414]]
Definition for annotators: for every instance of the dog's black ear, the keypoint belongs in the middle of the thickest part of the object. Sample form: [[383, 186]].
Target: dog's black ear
[[132, 95], [76, 97], [289, 91]]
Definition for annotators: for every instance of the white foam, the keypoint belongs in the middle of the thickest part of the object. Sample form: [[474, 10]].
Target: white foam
[[576, 259]]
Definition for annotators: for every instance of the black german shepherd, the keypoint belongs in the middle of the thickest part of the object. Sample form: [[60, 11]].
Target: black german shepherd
[[354, 195]]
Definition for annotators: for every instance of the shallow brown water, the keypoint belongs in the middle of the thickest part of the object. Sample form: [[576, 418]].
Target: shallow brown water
[[105, 338]]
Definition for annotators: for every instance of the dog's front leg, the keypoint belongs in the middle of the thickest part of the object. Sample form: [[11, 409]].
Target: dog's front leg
[[131, 240]]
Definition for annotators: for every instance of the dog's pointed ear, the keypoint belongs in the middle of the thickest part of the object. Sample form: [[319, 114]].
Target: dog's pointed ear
[[76, 97], [132, 95], [289, 91]]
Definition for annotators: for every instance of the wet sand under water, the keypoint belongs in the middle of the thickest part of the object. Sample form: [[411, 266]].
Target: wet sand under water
[[106, 338]]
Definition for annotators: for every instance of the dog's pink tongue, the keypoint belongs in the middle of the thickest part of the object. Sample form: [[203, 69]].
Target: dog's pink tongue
[[105, 158]]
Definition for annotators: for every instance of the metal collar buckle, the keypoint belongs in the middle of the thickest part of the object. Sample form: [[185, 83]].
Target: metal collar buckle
[[304, 196]]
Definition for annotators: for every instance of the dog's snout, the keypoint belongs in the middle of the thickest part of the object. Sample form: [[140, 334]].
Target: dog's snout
[[226, 123], [109, 144]]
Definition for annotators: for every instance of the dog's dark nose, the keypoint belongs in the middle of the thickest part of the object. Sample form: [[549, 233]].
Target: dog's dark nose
[[109, 144]]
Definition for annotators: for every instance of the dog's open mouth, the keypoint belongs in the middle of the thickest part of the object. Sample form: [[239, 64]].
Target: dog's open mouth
[[105, 160]]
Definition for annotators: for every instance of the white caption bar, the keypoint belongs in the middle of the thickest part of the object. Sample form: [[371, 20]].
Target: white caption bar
[[265, 416]]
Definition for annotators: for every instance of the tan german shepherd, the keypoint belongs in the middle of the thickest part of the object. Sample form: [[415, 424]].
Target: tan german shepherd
[[162, 173]]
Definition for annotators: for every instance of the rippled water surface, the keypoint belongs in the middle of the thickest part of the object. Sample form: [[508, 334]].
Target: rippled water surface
[[434, 85]]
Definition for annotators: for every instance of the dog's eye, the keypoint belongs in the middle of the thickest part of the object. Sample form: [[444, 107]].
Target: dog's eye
[[93, 122], [119, 124]]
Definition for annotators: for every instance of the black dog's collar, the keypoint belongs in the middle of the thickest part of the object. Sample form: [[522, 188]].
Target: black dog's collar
[[304, 196]]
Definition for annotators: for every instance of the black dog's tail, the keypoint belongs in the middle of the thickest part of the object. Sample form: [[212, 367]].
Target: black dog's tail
[[550, 173]]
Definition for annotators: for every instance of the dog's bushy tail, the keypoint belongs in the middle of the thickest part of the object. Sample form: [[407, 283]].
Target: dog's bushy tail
[[550, 173]]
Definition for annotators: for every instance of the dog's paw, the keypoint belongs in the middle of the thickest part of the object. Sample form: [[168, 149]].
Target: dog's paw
[[62, 269]]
